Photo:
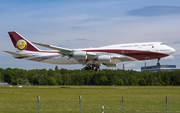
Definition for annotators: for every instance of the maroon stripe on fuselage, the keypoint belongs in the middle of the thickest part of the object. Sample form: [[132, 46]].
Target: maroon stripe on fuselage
[[137, 54]]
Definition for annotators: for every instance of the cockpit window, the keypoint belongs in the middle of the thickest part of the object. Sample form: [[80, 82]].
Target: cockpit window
[[162, 43]]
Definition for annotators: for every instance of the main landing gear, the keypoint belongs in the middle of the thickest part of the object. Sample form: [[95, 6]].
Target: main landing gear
[[92, 67], [158, 64]]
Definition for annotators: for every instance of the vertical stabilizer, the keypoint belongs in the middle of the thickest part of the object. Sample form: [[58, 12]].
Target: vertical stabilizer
[[21, 43]]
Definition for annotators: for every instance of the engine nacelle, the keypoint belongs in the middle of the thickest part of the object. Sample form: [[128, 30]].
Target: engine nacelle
[[79, 55], [104, 59]]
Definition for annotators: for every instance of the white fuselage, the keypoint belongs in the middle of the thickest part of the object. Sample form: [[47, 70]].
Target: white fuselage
[[120, 53]]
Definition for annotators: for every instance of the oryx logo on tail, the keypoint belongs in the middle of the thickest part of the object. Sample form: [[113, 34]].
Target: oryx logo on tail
[[21, 44]]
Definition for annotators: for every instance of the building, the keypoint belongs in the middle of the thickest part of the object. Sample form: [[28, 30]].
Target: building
[[3, 83], [156, 68]]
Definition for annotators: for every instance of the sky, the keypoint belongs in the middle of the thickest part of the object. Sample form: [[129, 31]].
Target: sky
[[89, 23]]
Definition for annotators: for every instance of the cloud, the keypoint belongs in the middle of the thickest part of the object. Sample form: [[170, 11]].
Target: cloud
[[128, 65], [154, 11], [177, 42], [80, 39], [169, 57], [89, 24], [75, 27], [178, 56]]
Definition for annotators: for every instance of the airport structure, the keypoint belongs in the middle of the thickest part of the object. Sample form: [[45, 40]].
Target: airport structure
[[156, 68], [3, 83]]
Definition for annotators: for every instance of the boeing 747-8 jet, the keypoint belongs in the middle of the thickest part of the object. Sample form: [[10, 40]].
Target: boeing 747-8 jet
[[92, 58]]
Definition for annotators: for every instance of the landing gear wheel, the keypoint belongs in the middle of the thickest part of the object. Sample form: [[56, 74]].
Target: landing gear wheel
[[86, 68], [89, 67], [92, 67], [97, 68]]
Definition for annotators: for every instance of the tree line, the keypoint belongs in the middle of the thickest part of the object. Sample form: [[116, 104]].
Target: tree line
[[62, 76]]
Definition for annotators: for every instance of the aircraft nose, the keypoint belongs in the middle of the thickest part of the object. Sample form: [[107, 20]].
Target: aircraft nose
[[172, 50]]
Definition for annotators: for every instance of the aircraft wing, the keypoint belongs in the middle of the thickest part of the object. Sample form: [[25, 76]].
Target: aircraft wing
[[18, 54], [65, 51], [84, 57], [53, 47]]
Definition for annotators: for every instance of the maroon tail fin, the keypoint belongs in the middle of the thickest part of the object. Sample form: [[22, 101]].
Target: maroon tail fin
[[21, 43]]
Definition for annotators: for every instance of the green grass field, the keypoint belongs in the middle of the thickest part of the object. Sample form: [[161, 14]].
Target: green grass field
[[66, 99]]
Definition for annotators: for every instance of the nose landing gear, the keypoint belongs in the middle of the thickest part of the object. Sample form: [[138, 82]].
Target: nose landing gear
[[158, 64]]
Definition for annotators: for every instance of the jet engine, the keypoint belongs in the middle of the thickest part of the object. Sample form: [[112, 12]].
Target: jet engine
[[79, 55], [103, 59]]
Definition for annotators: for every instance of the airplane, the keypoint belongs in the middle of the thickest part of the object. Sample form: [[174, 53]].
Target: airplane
[[92, 58]]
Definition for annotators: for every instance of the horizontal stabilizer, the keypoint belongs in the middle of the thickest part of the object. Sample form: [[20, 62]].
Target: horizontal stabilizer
[[18, 54]]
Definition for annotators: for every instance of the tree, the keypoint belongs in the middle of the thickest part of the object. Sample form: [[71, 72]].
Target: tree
[[13, 81], [37, 79], [7, 75], [57, 75], [120, 82], [51, 81], [56, 68], [104, 80], [131, 80], [176, 77], [43, 77], [20, 81], [26, 82], [159, 79], [63, 71], [1, 77], [51, 73], [59, 81], [66, 79], [166, 79], [87, 78], [74, 78], [149, 79], [82, 77], [142, 82]]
